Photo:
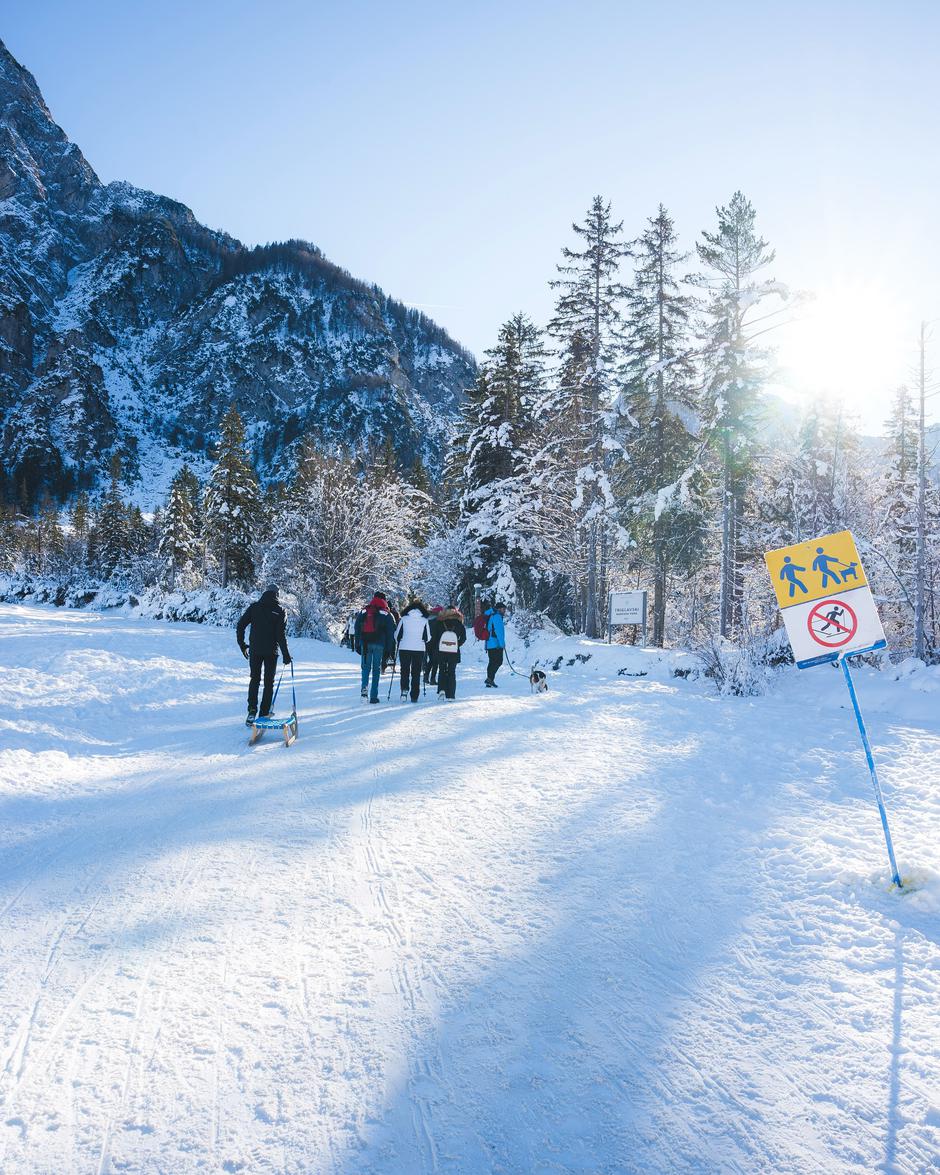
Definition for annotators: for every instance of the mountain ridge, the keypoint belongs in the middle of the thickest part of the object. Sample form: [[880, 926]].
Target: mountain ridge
[[127, 328]]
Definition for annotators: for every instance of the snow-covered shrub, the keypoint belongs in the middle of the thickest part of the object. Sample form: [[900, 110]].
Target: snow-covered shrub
[[744, 669]]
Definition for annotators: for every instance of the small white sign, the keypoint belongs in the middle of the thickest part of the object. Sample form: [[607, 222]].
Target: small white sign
[[628, 607]]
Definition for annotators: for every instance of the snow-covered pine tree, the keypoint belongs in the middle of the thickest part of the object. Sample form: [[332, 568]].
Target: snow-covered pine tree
[[111, 532], [9, 538], [498, 499], [734, 255], [179, 544], [50, 540], [659, 402], [232, 503], [587, 325], [80, 522]]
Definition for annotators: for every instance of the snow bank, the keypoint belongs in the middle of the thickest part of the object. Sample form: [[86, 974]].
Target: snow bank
[[215, 606]]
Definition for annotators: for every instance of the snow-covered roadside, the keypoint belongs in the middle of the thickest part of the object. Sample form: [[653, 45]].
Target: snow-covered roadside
[[627, 926]]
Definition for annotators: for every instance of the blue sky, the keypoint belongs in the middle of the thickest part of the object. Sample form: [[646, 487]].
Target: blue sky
[[443, 150]]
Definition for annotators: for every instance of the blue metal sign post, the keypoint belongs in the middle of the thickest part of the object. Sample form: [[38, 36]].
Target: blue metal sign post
[[895, 876]]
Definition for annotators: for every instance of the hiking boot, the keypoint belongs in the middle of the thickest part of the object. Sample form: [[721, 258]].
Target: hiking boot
[[488, 683], [364, 693], [373, 701], [250, 720], [404, 695], [270, 714]]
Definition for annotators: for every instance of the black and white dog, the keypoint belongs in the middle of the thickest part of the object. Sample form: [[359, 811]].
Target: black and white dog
[[538, 682]]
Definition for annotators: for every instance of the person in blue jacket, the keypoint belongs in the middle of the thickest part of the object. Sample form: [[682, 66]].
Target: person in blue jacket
[[495, 642]]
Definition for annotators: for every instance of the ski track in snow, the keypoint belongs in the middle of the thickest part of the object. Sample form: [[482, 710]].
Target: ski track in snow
[[624, 927]]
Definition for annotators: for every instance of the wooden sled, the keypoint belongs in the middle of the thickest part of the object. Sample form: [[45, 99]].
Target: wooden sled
[[287, 726]]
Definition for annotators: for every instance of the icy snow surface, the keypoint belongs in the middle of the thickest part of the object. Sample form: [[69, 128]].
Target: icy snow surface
[[627, 926]]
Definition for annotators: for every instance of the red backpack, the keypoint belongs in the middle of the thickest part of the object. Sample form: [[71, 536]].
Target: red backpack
[[370, 624], [480, 629]]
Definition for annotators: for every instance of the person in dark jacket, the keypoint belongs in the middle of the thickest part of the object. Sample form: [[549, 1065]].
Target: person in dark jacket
[[447, 635], [430, 661], [268, 624], [495, 642], [375, 642]]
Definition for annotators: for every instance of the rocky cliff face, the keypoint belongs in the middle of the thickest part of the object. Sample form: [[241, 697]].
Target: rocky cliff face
[[128, 328]]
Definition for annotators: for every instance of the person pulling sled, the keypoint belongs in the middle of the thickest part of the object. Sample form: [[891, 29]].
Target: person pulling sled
[[268, 624]]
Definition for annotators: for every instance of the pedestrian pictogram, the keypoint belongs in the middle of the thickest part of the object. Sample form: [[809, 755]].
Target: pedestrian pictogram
[[832, 623], [815, 569]]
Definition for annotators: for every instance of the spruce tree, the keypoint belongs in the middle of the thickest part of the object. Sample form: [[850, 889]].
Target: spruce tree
[[112, 539], [660, 403], [588, 327], [734, 255], [232, 504], [178, 546], [498, 495]]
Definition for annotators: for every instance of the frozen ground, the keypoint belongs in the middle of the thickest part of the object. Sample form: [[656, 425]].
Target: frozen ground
[[627, 927]]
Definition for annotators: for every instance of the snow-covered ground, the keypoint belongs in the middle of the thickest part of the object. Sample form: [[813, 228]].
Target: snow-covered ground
[[625, 927]]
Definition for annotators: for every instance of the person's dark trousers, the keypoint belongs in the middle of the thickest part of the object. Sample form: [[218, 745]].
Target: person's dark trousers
[[447, 675], [411, 671], [372, 663], [257, 662], [495, 659], [430, 670]]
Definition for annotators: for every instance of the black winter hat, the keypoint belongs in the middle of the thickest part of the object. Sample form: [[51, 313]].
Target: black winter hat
[[272, 590]]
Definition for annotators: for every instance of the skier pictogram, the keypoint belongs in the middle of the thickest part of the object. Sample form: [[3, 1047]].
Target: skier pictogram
[[832, 623]]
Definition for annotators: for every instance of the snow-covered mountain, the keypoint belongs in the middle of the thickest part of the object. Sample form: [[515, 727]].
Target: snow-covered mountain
[[127, 327]]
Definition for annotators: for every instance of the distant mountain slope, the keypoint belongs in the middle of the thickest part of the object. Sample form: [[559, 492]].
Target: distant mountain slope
[[127, 327]]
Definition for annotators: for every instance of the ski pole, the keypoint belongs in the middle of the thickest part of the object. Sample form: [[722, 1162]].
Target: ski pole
[[392, 678]]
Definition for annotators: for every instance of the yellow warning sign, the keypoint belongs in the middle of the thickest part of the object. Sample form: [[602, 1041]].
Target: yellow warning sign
[[815, 569]]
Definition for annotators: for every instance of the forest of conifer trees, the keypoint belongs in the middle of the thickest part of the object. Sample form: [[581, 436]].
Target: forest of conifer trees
[[633, 443]]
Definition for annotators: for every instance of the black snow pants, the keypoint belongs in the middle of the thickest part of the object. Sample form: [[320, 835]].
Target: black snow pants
[[430, 669], [494, 660], [411, 666], [447, 675], [257, 662]]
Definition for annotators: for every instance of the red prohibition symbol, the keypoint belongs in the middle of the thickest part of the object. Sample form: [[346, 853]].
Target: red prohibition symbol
[[832, 623]]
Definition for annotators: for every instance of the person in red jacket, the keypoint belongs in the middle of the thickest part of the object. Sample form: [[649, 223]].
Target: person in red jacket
[[375, 641]]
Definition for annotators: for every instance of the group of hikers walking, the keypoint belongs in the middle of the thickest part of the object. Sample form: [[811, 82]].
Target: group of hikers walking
[[425, 643]]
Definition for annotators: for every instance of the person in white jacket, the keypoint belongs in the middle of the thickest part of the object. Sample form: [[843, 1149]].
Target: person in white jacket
[[412, 636]]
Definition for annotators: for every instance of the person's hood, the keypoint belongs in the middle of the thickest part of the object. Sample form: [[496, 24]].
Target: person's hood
[[269, 597], [375, 602], [414, 612], [451, 614]]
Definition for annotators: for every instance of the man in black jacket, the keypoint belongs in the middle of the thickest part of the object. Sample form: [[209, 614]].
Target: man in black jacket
[[267, 621]]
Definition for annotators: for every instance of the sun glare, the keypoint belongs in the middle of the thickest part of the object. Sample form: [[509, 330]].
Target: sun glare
[[851, 342]]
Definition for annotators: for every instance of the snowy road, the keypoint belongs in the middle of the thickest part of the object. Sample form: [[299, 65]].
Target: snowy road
[[627, 927]]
